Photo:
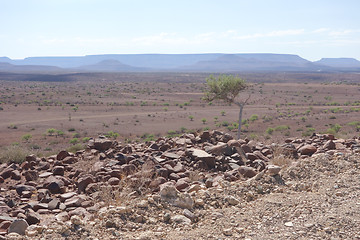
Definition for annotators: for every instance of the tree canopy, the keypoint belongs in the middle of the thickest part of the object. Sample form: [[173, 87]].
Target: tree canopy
[[224, 87]]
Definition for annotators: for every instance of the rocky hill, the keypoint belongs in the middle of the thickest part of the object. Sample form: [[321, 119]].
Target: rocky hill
[[197, 186]]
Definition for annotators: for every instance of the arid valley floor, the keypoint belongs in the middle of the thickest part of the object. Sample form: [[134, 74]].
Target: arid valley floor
[[136, 108], [169, 166]]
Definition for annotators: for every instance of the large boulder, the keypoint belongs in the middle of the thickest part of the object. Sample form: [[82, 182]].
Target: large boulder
[[201, 155], [307, 150], [100, 144]]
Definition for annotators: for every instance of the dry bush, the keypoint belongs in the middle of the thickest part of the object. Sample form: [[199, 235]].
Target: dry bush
[[281, 159], [129, 187], [14, 154]]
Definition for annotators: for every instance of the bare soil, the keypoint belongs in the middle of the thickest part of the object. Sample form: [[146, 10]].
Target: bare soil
[[137, 109]]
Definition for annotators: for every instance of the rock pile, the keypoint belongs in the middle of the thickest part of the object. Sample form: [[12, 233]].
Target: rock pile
[[122, 186]]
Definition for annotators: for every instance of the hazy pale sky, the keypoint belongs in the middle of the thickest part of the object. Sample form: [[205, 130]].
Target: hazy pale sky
[[310, 28]]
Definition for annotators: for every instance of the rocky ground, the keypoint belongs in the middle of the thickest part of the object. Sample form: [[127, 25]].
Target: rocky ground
[[197, 186]]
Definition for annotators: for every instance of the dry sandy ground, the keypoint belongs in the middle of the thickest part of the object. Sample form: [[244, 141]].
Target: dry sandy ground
[[135, 108]]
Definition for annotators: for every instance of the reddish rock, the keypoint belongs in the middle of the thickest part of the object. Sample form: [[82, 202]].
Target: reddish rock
[[329, 145], [32, 217], [25, 165], [201, 155], [234, 143], [58, 170], [246, 148], [179, 167], [329, 136], [54, 185], [87, 204], [4, 226], [43, 195], [154, 146], [174, 176], [61, 155], [79, 211], [31, 175], [21, 188], [43, 165], [92, 187], [209, 182], [163, 172], [113, 181], [164, 147], [266, 151], [16, 175], [251, 156], [67, 195], [69, 160], [6, 173], [38, 206], [75, 201], [30, 158], [128, 168], [219, 149], [115, 173], [170, 155], [156, 183], [273, 169], [261, 156], [181, 184], [307, 150], [101, 144], [84, 181], [205, 136], [247, 171]]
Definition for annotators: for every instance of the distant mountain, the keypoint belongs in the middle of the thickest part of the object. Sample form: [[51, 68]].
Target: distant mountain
[[254, 62], [155, 61], [111, 65], [7, 67], [339, 62], [211, 62]]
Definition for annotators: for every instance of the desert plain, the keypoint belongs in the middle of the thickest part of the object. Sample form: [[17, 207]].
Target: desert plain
[[142, 156], [144, 106]]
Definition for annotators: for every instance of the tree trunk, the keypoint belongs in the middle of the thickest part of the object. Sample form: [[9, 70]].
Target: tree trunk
[[240, 119]]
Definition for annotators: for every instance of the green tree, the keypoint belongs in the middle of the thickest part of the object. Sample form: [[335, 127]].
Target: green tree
[[50, 131], [227, 88], [26, 137]]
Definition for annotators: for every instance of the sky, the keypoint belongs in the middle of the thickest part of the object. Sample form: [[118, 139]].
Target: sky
[[312, 29]]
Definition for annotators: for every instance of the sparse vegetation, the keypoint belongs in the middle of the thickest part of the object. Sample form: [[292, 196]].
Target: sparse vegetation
[[300, 107], [226, 88], [74, 141], [254, 117], [26, 137], [269, 130], [14, 153]]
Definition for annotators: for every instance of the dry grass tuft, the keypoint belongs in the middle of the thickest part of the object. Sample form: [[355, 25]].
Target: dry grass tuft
[[281, 159], [14, 154], [129, 187]]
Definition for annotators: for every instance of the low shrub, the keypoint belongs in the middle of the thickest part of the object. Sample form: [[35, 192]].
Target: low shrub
[[75, 148], [14, 153], [269, 130]]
